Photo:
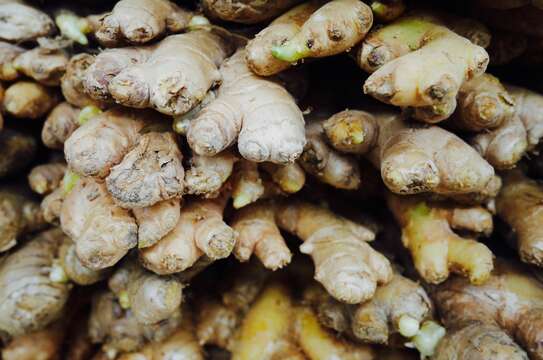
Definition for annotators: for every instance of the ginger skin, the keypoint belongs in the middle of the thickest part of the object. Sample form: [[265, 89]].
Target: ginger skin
[[43, 179], [345, 264], [22, 23], [44, 65], [29, 100], [125, 24], [24, 275], [155, 222], [44, 344], [72, 82], [239, 112], [246, 11], [290, 178], [207, 174], [8, 53], [247, 186], [511, 299], [200, 231], [69, 267], [18, 150], [519, 205], [427, 232], [59, 125]]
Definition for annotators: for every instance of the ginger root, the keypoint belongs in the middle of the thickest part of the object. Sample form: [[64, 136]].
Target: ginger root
[[72, 82], [264, 131], [155, 222], [30, 100], [59, 125], [46, 66], [289, 178], [20, 22], [246, 11], [207, 174], [44, 344], [511, 300], [18, 150], [29, 299], [140, 21], [519, 205], [247, 186], [427, 232], [8, 54], [44, 179]]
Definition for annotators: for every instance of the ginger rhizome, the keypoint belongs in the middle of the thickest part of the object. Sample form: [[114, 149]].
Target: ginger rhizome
[[44, 179], [44, 344], [427, 232], [519, 204], [398, 307], [511, 300], [140, 21], [308, 30], [411, 159], [264, 130], [207, 174], [59, 125], [21, 22], [246, 11], [8, 54], [30, 300], [72, 82], [46, 66], [199, 232], [29, 100], [399, 54], [18, 150], [172, 76]]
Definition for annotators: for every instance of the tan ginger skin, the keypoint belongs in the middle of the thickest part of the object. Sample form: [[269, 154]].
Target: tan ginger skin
[[207, 174], [411, 159], [23, 23], [59, 125], [24, 274], [68, 267], [8, 53], [155, 222], [125, 23], [44, 344], [102, 231], [43, 179], [427, 232], [238, 113], [29, 100], [398, 307], [189, 66], [44, 65], [72, 82], [289, 178], [312, 29], [510, 300], [200, 231], [519, 205], [246, 11]]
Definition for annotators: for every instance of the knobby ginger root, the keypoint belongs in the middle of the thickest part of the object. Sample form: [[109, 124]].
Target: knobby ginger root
[[246, 11], [520, 205], [411, 159], [44, 344], [399, 306], [265, 131], [155, 222], [21, 22], [427, 232], [8, 53], [150, 298], [68, 267], [51, 206], [290, 178], [258, 233], [43, 179], [119, 331], [102, 231], [104, 140], [59, 125], [29, 299], [25, 99], [72, 82], [207, 174], [172, 76], [247, 186], [199, 231], [44, 65], [18, 150], [511, 299], [151, 172], [19, 215], [345, 264], [387, 10], [332, 29], [140, 21]]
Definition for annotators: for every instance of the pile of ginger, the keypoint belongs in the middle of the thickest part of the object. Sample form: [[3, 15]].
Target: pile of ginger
[[264, 180]]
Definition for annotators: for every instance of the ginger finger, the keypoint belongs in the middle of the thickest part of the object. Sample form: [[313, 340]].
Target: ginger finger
[[45, 344], [151, 172], [125, 23], [240, 112], [155, 222], [19, 215], [290, 178], [329, 166], [51, 206], [102, 231], [200, 230], [59, 125], [352, 131], [247, 185], [150, 297], [246, 11], [30, 299], [334, 28], [435, 248], [387, 10], [177, 74], [258, 233], [44, 65], [8, 53], [259, 50], [68, 267], [345, 264], [25, 99], [22, 23], [43, 179], [206, 175], [399, 306], [73, 83], [511, 299], [18, 151], [519, 205]]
